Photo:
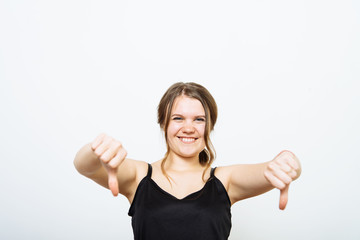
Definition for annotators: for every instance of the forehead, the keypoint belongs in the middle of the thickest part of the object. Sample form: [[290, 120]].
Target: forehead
[[187, 106]]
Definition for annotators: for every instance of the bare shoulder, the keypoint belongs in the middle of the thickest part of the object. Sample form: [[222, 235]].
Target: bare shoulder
[[156, 164], [223, 173], [130, 174], [226, 173], [156, 170], [141, 168]]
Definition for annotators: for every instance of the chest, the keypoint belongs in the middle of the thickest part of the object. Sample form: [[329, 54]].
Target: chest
[[204, 214], [180, 185]]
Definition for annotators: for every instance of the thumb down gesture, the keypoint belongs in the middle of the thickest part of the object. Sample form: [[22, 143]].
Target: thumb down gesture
[[111, 154], [281, 171]]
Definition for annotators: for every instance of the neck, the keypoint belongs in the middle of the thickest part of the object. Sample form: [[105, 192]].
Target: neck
[[177, 163]]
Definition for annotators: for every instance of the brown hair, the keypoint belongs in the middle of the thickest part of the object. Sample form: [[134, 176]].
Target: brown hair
[[192, 90]]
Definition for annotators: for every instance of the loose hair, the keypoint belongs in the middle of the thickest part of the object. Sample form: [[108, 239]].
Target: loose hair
[[196, 91]]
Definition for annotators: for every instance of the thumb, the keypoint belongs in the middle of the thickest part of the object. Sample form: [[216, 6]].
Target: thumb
[[283, 197], [113, 183]]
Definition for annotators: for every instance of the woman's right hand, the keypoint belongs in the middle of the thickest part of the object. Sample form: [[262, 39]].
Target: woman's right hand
[[111, 154]]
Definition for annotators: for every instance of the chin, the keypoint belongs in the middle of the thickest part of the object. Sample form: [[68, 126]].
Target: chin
[[188, 155]]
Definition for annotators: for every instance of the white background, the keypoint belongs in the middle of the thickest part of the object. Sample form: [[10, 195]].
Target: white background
[[285, 75]]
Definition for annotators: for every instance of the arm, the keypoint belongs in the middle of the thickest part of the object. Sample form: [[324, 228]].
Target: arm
[[104, 161], [249, 180]]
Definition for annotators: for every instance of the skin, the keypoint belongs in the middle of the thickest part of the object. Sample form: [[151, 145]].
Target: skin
[[104, 161]]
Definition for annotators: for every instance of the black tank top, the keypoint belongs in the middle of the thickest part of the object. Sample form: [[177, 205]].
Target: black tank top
[[202, 215]]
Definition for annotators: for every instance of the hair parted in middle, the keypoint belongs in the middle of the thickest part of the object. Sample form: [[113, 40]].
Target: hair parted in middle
[[196, 91]]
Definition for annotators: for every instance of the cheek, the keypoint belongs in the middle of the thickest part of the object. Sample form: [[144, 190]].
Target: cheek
[[172, 129], [201, 129]]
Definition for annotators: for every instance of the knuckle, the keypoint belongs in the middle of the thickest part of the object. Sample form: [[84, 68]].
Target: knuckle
[[97, 152], [267, 176], [286, 168], [113, 164], [104, 159], [286, 152], [296, 167], [281, 186], [272, 165], [287, 180], [279, 160], [293, 174]]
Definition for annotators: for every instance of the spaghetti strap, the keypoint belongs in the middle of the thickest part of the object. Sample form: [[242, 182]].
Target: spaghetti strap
[[149, 171], [212, 172]]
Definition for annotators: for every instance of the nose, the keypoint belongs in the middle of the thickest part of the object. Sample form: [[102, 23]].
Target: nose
[[188, 127]]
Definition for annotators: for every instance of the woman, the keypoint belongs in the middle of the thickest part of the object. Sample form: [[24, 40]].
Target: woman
[[181, 196]]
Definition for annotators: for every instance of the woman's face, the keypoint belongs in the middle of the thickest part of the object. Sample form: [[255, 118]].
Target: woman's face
[[185, 133]]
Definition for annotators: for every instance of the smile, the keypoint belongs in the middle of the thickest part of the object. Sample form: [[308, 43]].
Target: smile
[[187, 139]]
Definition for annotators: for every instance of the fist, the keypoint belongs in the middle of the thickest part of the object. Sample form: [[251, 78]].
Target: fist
[[111, 154], [281, 171]]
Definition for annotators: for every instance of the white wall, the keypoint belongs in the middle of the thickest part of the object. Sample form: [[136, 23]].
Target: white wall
[[285, 75]]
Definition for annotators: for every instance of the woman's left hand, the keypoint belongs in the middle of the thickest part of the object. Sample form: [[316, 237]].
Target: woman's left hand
[[281, 171]]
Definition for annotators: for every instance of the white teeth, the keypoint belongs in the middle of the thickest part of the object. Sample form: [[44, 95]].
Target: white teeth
[[187, 140]]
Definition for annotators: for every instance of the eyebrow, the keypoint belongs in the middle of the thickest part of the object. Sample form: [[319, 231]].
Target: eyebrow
[[178, 114]]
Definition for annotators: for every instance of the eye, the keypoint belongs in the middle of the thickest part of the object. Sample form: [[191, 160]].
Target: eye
[[177, 118], [200, 119]]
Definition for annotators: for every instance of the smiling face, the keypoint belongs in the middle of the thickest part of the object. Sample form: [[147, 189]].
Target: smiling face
[[185, 132]]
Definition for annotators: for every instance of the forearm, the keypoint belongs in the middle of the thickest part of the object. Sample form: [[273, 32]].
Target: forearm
[[248, 180], [278, 173], [86, 162]]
